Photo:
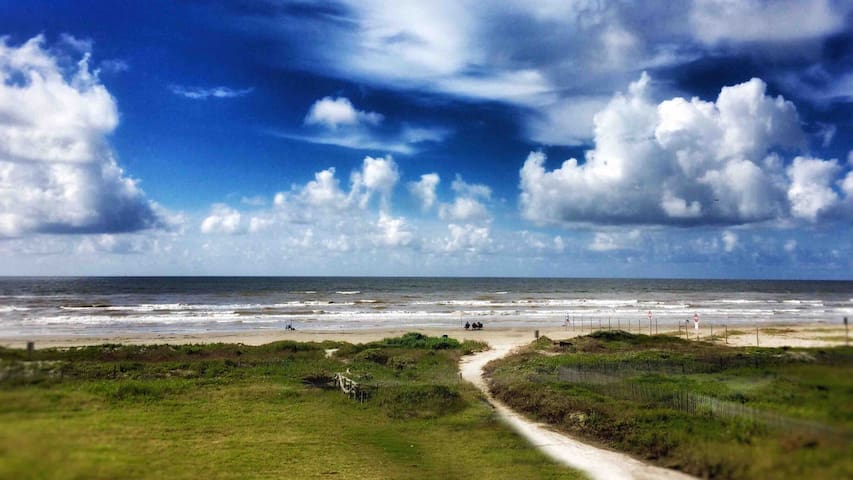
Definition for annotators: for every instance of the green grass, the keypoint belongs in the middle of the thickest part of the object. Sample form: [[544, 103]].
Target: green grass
[[234, 411], [629, 406]]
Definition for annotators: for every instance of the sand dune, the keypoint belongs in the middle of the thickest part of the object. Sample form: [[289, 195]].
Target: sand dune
[[598, 463]]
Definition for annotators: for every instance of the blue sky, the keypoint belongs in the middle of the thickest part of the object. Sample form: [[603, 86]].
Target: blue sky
[[709, 138]]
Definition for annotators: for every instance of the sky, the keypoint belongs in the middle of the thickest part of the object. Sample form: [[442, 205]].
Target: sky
[[571, 138]]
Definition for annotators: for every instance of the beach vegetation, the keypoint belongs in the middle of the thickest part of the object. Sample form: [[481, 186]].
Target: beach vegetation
[[268, 411], [703, 408]]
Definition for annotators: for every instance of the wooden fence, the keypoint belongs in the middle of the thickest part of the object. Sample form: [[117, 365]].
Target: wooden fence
[[352, 388]]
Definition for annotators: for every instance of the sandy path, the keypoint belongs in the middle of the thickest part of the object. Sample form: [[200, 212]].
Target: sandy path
[[597, 463]]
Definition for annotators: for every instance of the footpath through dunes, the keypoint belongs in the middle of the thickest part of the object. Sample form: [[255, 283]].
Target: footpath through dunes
[[598, 463]]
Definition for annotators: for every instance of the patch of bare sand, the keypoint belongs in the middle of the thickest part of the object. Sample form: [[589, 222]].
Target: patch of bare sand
[[804, 335], [260, 337]]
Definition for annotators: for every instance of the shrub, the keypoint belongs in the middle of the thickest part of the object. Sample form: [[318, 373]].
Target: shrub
[[421, 401], [418, 340], [375, 355]]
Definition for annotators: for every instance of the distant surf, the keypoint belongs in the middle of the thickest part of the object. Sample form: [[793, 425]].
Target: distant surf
[[94, 306]]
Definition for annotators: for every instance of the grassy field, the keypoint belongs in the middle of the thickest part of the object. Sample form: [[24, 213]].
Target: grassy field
[[709, 410], [234, 411]]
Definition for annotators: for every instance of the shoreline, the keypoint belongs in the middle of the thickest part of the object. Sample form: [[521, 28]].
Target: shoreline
[[809, 335]]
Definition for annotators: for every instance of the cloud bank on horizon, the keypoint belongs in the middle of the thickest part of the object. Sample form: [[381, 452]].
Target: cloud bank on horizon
[[487, 138]]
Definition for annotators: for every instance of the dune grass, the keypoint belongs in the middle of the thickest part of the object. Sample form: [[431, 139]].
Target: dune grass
[[626, 401], [235, 411]]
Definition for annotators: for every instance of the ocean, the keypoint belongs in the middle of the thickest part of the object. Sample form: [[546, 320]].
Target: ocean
[[126, 305]]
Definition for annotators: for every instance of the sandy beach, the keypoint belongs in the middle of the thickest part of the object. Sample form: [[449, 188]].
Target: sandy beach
[[812, 335]]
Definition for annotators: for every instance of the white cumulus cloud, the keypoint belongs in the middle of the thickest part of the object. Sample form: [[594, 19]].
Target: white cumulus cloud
[[468, 204], [467, 238], [324, 194], [222, 219], [57, 172], [260, 223], [377, 175], [463, 209], [380, 174], [424, 189], [333, 112], [811, 192], [684, 162], [472, 190], [324, 191], [336, 121], [614, 241], [729, 240], [393, 231]]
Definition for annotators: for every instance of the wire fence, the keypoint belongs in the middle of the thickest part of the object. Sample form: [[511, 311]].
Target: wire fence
[[697, 363], [716, 330], [684, 400]]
